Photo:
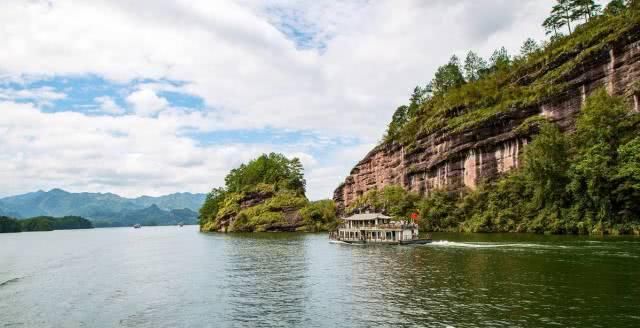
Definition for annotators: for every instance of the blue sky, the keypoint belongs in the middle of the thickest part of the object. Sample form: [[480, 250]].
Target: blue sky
[[154, 96]]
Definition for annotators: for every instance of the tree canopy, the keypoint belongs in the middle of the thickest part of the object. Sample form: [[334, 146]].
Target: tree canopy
[[274, 169], [447, 77], [565, 12]]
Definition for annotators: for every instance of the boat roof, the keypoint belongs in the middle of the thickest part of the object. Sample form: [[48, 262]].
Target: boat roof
[[366, 216]]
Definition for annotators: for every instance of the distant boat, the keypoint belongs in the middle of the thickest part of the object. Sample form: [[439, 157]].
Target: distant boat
[[136, 226], [181, 224]]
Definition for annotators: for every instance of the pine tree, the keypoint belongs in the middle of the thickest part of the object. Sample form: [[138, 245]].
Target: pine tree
[[448, 76], [561, 13], [530, 46], [474, 65], [552, 25], [416, 100], [500, 58], [584, 9]]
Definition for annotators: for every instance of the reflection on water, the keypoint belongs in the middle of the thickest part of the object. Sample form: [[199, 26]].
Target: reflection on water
[[171, 277]]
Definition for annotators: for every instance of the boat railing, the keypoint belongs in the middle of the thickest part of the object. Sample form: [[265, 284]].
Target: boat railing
[[390, 226]]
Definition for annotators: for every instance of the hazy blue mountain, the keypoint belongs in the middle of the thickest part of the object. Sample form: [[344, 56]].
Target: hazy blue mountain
[[149, 216], [105, 207], [4, 211], [174, 201]]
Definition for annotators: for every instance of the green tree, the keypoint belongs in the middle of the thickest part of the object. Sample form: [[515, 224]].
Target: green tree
[[627, 178], [398, 121], [585, 9], [552, 24], [211, 204], [546, 165], [274, 169], [561, 14], [436, 211], [500, 59], [529, 47], [615, 7], [418, 97], [602, 124], [447, 77], [474, 66], [319, 215]]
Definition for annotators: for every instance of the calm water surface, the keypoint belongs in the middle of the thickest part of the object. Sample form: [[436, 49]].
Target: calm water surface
[[177, 277]]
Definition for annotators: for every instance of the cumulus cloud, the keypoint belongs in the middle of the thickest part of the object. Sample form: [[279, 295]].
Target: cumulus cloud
[[146, 102], [335, 69], [130, 155], [108, 105]]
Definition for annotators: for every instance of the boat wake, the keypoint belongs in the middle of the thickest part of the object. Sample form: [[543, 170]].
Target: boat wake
[[446, 243], [344, 243]]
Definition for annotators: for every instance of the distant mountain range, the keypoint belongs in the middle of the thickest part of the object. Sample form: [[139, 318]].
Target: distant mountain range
[[106, 209]]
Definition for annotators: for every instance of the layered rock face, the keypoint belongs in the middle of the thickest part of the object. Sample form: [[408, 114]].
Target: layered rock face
[[291, 217], [458, 160]]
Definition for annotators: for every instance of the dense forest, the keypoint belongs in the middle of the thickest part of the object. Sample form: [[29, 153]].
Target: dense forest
[[266, 193], [44, 223], [8, 224], [584, 181]]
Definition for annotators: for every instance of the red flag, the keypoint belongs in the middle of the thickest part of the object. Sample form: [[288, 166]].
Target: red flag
[[414, 216]]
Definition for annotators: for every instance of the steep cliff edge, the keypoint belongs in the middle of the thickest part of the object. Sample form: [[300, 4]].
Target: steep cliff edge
[[461, 152]]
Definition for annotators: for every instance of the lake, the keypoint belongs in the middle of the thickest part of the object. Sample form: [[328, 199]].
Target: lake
[[178, 277]]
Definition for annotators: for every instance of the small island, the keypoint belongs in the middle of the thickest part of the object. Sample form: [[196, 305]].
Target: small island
[[266, 194]]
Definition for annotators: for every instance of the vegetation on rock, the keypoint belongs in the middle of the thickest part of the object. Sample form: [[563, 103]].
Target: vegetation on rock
[[266, 194], [465, 96], [584, 182]]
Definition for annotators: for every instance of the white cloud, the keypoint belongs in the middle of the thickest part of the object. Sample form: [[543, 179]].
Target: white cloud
[[42, 96], [108, 105], [146, 102], [234, 55], [129, 155]]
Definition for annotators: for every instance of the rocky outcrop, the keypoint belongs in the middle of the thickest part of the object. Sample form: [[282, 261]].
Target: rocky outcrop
[[266, 211], [464, 159]]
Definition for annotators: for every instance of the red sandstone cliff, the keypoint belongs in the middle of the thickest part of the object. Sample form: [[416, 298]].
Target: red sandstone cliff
[[458, 160]]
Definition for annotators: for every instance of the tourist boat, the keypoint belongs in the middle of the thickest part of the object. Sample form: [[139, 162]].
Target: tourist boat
[[376, 228], [136, 226]]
